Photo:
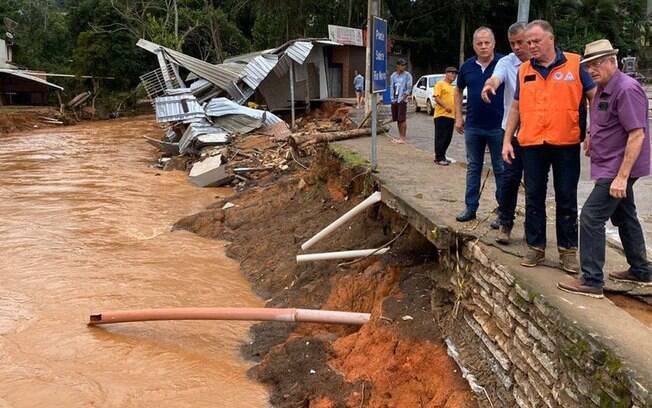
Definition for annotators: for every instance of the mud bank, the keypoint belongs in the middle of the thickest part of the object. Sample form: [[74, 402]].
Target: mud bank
[[399, 359], [21, 118]]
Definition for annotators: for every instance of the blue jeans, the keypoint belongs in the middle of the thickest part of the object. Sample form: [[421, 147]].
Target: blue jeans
[[598, 208], [511, 183], [565, 163], [476, 141]]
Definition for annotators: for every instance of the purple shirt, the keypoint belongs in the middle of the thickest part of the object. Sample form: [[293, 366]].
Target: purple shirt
[[617, 109]]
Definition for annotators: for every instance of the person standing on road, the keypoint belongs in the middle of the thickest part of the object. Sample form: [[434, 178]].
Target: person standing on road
[[401, 87], [619, 148], [444, 117], [506, 72], [546, 105], [358, 85], [482, 126]]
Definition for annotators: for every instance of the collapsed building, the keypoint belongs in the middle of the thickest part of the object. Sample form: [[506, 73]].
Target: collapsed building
[[202, 103]]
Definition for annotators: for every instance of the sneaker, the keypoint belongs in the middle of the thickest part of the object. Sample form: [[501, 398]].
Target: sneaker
[[628, 277], [495, 224], [465, 216], [533, 257], [442, 162], [576, 286], [504, 235], [568, 260]]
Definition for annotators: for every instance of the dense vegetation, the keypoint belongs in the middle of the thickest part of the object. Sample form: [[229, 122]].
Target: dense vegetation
[[97, 37]]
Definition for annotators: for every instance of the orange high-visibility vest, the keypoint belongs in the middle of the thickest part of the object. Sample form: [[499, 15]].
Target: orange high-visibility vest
[[549, 108]]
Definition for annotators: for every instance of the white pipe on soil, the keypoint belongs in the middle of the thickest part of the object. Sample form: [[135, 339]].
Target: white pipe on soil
[[228, 313], [358, 253], [372, 199]]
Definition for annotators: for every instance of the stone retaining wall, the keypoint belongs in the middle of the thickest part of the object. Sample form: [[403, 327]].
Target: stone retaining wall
[[538, 357]]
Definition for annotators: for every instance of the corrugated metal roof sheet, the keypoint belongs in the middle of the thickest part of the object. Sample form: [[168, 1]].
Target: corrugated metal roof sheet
[[222, 76], [178, 108], [218, 107], [249, 56], [258, 68], [238, 123], [240, 118], [178, 91], [195, 130], [299, 51], [19, 74]]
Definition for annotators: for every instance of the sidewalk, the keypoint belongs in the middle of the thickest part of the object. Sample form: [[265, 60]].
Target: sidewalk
[[431, 196], [420, 134]]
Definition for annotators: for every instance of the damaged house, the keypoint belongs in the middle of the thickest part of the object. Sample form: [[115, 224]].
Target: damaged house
[[202, 103], [267, 77], [20, 87]]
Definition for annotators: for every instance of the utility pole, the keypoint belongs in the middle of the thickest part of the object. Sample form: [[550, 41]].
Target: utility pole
[[367, 69], [523, 11], [291, 69], [462, 35], [371, 100]]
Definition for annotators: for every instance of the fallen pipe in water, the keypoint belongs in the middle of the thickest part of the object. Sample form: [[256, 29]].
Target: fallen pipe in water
[[228, 313]]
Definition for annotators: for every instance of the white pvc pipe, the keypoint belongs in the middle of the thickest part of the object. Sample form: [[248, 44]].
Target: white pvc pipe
[[227, 313], [372, 199], [358, 253]]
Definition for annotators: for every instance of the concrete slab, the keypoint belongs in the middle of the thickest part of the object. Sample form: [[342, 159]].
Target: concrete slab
[[430, 196]]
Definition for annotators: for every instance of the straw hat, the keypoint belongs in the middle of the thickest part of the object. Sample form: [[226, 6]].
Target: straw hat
[[598, 49]]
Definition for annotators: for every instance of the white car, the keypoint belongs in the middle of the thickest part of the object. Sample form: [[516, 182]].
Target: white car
[[422, 92]]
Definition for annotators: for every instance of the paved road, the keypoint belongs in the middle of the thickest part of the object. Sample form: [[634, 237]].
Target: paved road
[[421, 135]]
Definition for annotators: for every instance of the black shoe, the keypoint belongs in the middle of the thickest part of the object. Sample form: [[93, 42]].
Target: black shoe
[[495, 224], [465, 216]]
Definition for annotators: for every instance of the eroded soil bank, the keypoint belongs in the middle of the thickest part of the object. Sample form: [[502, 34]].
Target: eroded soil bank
[[399, 358]]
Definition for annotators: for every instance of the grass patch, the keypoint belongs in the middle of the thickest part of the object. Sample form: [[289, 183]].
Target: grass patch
[[350, 158]]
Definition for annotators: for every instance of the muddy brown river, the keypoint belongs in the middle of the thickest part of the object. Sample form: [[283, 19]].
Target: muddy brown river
[[85, 227]]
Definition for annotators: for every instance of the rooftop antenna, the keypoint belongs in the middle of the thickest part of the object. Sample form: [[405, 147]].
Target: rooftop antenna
[[10, 25]]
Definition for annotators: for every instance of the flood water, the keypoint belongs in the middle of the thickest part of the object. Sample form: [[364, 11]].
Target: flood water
[[84, 228]]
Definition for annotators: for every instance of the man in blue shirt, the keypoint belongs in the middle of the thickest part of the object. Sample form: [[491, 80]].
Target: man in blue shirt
[[483, 121], [506, 72], [401, 87], [358, 85]]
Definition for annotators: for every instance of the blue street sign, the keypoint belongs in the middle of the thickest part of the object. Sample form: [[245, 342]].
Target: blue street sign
[[379, 57]]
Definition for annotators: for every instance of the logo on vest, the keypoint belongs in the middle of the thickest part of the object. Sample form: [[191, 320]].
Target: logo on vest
[[558, 76], [570, 77]]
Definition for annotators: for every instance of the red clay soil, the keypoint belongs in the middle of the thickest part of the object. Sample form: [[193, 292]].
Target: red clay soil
[[396, 360]]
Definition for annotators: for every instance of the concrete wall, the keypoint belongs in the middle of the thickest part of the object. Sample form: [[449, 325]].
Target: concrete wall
[[537, 358]]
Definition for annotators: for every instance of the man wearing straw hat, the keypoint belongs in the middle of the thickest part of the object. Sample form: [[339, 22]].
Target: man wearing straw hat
[[619, 148]]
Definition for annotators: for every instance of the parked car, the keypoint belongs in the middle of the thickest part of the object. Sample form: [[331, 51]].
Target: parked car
[[422, 92]]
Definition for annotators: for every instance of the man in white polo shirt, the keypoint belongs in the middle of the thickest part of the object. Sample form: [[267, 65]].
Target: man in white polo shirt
[[507, 72]]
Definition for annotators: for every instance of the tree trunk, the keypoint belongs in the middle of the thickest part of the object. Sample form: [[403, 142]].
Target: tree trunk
[[176, 24], [348, 21], [323, 137], [216, 39], [462, 34]]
